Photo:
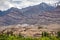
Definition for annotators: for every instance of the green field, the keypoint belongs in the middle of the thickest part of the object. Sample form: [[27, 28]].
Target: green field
[[45, 36]]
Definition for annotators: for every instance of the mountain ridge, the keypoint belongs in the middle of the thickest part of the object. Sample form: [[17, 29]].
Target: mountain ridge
[[38, 14]]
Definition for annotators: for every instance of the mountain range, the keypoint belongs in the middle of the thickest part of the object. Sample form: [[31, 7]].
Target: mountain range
[[38, 14]]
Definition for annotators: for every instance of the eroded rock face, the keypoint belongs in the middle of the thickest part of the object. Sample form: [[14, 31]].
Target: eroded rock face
[[34, 31]]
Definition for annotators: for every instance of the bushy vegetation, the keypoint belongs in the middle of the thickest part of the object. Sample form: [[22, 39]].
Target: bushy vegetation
[[20, 37]]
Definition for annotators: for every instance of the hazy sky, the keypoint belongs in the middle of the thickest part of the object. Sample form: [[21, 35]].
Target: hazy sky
[[5, 4]]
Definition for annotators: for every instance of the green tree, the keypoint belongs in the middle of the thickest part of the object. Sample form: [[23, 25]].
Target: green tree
[[45, 34], [58, 34]]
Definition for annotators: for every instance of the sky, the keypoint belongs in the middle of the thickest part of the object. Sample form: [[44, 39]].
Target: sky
[[6, 4]]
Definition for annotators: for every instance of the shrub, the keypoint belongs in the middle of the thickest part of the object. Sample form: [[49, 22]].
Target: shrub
[[45, 38], [54, 38]]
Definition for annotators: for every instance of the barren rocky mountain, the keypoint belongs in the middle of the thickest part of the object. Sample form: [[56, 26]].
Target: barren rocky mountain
[[38, 14]]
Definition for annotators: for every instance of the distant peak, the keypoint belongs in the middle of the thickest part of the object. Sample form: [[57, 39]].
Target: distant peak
[[43, 4], [0, 11], [57, 4], [13, 9]]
